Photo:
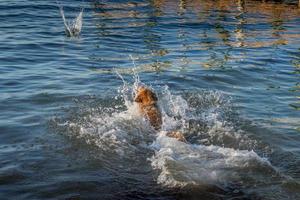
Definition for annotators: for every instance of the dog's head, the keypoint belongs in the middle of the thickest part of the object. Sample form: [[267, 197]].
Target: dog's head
[[145, 96]]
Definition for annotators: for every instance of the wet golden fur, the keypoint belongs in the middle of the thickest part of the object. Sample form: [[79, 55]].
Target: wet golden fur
[[147, 101]]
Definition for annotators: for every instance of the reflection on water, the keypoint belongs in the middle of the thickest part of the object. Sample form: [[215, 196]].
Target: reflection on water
[[236, 24]]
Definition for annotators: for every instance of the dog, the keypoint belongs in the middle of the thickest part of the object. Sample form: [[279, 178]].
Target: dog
[[148, 107]]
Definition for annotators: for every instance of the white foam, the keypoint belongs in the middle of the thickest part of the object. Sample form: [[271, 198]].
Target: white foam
[[120, 132], [181, 164]]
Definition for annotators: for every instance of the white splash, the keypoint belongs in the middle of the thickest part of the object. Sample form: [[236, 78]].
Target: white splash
[[72, 28], [212, 159], [182, 164]]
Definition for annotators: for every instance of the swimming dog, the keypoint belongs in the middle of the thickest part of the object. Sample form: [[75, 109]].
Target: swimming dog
[[147, 101]]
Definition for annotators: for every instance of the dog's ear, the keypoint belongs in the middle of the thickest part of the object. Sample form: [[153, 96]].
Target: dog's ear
[[138, 99]]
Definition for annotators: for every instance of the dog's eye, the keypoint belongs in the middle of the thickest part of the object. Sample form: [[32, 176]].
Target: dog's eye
[[138, 99]]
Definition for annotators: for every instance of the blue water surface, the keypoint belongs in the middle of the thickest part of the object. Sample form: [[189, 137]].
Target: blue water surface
[[247, 51]]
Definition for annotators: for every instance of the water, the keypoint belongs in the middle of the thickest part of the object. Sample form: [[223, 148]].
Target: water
[[226, 74]]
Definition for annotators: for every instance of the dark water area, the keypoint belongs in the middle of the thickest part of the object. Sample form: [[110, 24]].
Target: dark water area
[[227, 74]]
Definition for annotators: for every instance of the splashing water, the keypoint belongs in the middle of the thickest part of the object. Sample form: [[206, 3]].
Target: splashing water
[[216, 154], [72, 28]]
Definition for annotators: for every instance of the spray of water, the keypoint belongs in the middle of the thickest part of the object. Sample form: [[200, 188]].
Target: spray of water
[[72, 28], [216, 154]]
